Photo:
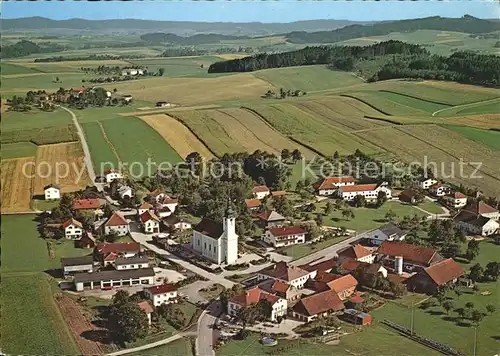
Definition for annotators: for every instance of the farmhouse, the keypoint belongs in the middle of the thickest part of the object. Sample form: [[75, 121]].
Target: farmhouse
[[369, 191], [356, 252], [388, 232], [316, 305], [281, 289], [72, 265], [113, 278], [431, 278], [150, 222], [136, 262], [217, 242], [162, 294], [285, 236], [261, 191], [116, 224], [481, 208], [86, 204], [108, 253], [125, 192], [271, 219], [111, 175], [163, 104], [73, 229], [426, 183], [147, 309], [52, 192], [167, 202], [141, 209], [458, 200], [329, 185], [175, 222], [253, 296], [344, 286], [439, 189], [476, 224], [294, 276], [253, 204], [402, 256], [409, 196]]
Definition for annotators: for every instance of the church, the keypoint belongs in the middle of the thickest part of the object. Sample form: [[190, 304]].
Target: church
[[215, 241]]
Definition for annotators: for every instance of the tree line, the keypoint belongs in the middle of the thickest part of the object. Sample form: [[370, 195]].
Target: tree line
[[25, 48], [198, 39], [91, 57]]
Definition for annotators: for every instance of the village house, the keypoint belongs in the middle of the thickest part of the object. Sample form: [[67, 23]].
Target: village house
[[163, 211], [439, 190], [356, 252], [163, 104], [409, 196], [457, 200], [125, 192], [109, 252], [285, 236], [116, 224], [329, 185], [215, 241], [324, 266], [166, 206], [405, 257], [426, 183], [72, 265], [73, 229], [141, 209], [162, 294], [127, 98], [132, 71], [156, 196], [344, 286], [113, 278], [87, 240], [177, 223], [481, 208], [431, 278], [280, 271], [316, 305], [136, 262], [52, 192], [478, 218], [388, 232], [279, 193], [369, 191], [253, 296], [253, 204], [150, 222], [87, 204], [271, 219], [281, 289], [111, 175], [261, 191], [147, 309]]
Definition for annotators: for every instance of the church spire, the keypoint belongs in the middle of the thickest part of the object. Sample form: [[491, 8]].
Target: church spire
[[229, 209]]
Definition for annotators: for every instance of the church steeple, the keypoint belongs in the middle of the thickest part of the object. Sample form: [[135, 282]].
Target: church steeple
[[229, 210]]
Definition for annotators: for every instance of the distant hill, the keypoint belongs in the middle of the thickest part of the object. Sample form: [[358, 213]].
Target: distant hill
[[467, 24], [72, 26], [188, 41]]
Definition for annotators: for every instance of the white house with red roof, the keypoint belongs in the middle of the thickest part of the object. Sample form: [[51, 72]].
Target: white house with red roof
[[150, 222], [52, 192], [328, 185], [459, 199], [112, 174], [116, 224], [73, 229], [166, 206], [280, 271], [356, 252], [261, 191], [108, 253], [478, 218], [369, 191], [141, 209], [439, 189], [161, 294], [253, 296], [285, 236]]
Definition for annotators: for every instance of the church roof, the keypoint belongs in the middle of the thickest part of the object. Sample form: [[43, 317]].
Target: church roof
[[210, 228]]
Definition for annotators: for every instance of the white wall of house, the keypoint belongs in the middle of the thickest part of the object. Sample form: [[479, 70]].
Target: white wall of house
[[182, 225], [279, 309], [490, 228], [171, 206], [368, 194], [297, 283], [163, 298], [73, 232], [367, 259], [460, 202], [494, 215], [52, 193], [261, 195], [427, 183], [120, 230], [151, 226], [114, 283], [132, 266], [279, 241], [112, 176], [333, 190], [78, 269]]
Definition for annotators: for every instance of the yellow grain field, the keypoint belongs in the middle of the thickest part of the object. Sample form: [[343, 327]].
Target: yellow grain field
[[196, 91], [17, 184], [230, 56], [61, 155], [177, 135], [483, 121]]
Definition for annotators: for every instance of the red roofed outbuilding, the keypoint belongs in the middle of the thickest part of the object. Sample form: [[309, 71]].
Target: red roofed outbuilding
[[431, 278]]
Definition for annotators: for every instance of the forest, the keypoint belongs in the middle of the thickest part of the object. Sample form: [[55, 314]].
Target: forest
[[405, 61], [25, 48], [159, 37]]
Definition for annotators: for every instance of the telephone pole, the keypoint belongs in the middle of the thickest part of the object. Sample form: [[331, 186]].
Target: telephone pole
[[475, 341]]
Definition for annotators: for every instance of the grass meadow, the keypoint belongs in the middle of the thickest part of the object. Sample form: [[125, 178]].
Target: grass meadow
[[14, 69], [488, 137], [13, 120], [18, 150]]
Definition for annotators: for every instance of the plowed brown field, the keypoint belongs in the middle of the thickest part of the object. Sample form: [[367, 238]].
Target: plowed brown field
[[16, 186]]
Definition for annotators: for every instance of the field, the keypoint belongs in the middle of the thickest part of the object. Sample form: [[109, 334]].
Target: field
[[307, 78], [100, 149], [393, 104], [181, 347], [65, 66], [18, 150], [41, 136], [13, 120], [47, 81], [432, 144], [181, 66], [16, 186], [13, 69], [484, 107], [311, 132], [488, 137], [487, 121], [177, 135], [68, 159]]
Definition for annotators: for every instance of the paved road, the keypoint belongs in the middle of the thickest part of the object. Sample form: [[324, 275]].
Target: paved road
[[465, 105], [153, 344], [205, 338]]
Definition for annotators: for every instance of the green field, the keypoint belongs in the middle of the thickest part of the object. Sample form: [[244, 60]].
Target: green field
[[488, 137], [100, 150], [17, 150], [387, 104], [307, 78], [486, 107], [43, 81], [418, 104], [136, 141], [181, 347], [180, 67], [14, 120], [9, 68]]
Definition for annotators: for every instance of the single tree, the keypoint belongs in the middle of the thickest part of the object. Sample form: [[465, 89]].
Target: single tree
[[458, 293], [359, 201], [128, 321], [328, 208], [121, 297], [390, 216], [285, 154], [477, 316], [469, 305], [319, 219], [490, 308], [448, 305], [476, 272], [161, 71]]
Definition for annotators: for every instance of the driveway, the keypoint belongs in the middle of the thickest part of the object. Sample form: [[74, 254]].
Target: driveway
[[205, 338]]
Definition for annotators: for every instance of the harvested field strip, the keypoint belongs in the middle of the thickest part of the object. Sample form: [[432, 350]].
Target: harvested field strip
[[394, 104], [487, 121], [16, 185], [108, 141], [182, 140], [305, 128], [99, 149], [68, 159], [41, 136], [409, 148], [417, 98]]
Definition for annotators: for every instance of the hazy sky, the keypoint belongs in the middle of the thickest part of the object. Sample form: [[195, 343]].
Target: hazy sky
[[249, 11]]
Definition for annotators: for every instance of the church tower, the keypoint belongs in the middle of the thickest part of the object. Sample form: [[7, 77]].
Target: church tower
[[230, 237]]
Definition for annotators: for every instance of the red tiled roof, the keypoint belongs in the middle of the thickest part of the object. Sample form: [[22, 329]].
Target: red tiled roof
[[356, 298], [284, 272], [108, 171], [326, 277], [252, 203], [168, 200], [358, 188], [479, 207], [343, 283], [253, 296], [319, 303], [332, 182], [118, 247], [146, 307], [116, 220], [287, 231], [163, 288], [322, 266], [111, 257], [278, 193], [350, 265], [145, 206], [86, 204], [270, 216], [444, 271], [458, 195], [260, 189], [280, 287], [155, 193], [147, 215], [72, 222], [420, 254], [355, 251]]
